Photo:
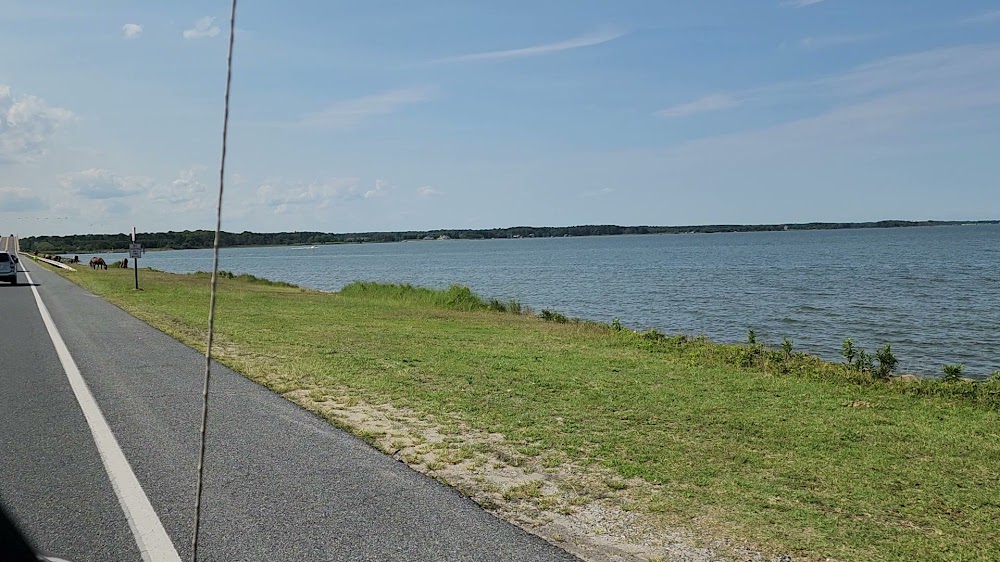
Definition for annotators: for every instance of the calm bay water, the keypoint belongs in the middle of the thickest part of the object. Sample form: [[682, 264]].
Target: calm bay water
[[933, 293]]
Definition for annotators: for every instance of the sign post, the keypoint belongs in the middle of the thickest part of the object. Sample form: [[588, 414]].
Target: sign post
[[134, 252]]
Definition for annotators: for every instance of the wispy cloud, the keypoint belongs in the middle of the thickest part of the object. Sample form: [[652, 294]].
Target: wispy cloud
[[428, 191], [989, 16], [587, 40], [955, 66], [348, 113], [280, 196], [800, 3], [827, 41], [131, 30], [706, 104], [604, 191], [887, 103], [187, 191], [379, 190], [950, 65], [203, 28]]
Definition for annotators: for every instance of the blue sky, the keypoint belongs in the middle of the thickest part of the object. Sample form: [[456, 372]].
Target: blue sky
[[389, 115]]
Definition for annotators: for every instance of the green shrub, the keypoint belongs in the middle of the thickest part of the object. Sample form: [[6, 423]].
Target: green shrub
[[864, 362], [786, 346], [860, 361], [886, 362], [847, 351], [616, 324], [751, 337], [952, 373]]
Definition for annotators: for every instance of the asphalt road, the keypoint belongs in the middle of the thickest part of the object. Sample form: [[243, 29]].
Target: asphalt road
[[281, 484]]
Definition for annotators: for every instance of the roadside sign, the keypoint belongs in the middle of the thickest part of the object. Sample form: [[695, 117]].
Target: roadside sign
[[135, 251]]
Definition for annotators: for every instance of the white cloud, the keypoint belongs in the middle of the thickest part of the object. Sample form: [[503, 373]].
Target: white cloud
[[705, 104], [347, 113], [989, 16], [588, 40], [27, 126], [98, 183], [20, 200], [428, 191], [800, 3], [131, 30], [203, 28]]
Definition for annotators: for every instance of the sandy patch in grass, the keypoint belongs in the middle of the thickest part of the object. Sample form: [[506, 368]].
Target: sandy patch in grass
[[586, 510]]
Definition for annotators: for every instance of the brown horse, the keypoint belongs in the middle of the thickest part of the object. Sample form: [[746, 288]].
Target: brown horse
[[98, 263]]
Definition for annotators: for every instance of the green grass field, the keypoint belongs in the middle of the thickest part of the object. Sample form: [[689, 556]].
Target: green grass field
[[791, 456]]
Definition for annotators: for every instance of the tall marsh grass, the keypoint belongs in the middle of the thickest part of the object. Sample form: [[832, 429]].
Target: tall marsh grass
[[456, 297]]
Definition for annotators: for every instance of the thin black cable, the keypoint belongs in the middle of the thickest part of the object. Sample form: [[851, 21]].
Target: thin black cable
[[215, 276]]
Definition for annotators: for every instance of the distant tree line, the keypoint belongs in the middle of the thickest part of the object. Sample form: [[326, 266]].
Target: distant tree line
[[189, 239]]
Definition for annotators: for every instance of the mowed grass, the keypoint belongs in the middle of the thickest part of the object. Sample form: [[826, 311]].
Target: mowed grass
[[788, 463]]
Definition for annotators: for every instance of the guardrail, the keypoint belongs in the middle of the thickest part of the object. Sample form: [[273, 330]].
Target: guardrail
[[50, 262]]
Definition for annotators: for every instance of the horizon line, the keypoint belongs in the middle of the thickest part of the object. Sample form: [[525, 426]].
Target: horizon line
[[855, 224]]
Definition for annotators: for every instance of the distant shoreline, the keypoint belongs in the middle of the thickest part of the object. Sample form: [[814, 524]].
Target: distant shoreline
[[199, 239]]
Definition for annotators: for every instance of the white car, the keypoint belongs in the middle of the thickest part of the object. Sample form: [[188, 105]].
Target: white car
[[8, 268]]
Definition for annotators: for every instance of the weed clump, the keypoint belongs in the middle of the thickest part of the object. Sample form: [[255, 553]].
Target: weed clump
[[880, 366], [512, 306], [249, 278], [553, 316], [952, 373]]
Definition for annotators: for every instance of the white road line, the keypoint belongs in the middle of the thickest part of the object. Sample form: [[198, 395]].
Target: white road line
[[152, 538]]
